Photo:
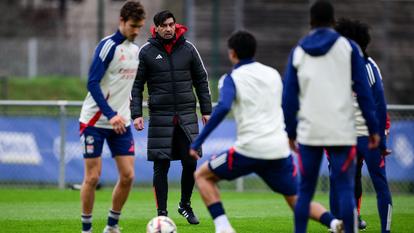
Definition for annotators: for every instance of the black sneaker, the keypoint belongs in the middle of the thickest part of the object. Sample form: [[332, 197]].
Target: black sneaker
[[162, 213], [186, 211], [362, 225]]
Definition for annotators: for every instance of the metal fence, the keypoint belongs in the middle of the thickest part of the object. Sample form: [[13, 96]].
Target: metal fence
[[39, 145], [38, 57]]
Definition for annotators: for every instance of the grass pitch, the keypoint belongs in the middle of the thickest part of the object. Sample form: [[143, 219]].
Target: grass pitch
[[51, 210]]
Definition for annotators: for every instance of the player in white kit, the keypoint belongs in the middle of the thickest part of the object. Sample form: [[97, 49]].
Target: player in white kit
[[106, 115]]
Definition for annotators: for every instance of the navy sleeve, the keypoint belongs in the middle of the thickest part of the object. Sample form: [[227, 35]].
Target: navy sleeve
[[227, 96], [104, 54], [290, 98], [362, 89], [380, 105]]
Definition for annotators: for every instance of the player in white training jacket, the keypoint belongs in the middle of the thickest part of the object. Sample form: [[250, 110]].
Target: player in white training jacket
[[106, 115], [323, 71]]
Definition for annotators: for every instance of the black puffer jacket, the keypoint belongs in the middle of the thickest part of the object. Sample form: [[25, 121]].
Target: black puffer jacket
[[170, 79]]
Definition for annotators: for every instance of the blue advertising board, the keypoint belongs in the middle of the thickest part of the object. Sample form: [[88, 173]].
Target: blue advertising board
[[30, 149]]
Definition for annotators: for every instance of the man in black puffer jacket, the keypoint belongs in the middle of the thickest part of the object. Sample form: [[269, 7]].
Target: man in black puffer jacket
[[171, 66]]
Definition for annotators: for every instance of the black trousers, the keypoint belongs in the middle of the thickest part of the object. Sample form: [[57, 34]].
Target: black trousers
[[181, 145]]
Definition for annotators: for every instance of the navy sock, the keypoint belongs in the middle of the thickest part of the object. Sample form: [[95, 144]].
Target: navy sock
[[113, 218], [216, 209], [326, 219], [86, 222]]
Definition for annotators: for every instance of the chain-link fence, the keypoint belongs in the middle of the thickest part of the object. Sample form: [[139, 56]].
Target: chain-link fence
[[39, 145], [45, 57]]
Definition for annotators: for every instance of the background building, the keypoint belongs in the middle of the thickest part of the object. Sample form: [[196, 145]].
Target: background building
[[57, 37]]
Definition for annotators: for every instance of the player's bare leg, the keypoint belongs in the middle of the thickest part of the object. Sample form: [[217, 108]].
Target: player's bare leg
[[318, 212], [122, 188], [125, 165], [91, 178], [207, 184]]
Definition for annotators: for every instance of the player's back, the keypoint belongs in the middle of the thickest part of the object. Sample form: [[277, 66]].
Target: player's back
[[258, 113], [326, 115]]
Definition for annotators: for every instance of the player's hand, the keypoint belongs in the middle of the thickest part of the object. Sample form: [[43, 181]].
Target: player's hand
[[139, 123], [373, 141], [386, 152], [205, 118], [293, 146], [118, 123], [194, 154]]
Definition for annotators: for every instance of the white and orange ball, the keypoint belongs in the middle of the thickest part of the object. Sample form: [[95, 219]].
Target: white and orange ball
[[161, 224]]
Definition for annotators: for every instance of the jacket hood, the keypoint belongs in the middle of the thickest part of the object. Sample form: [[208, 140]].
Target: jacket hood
[[319, 41], [179, 30]]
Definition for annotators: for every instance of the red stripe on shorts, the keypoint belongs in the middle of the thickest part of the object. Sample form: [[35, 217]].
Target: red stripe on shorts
[[295, 170], [230, 158]]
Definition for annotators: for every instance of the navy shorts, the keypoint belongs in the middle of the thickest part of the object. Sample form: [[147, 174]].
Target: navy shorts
[[279, 174], [92, 140]]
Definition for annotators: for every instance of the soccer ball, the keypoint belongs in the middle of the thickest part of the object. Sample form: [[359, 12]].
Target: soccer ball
[[161, 224]]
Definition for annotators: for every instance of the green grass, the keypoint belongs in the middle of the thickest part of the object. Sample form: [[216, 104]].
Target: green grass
[[50, 210], [46, 88]]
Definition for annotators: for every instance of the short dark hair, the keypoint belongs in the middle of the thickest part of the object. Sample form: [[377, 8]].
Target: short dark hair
[[161, 16], [132, 10], [322, 14], [243, 43], [354, 30]]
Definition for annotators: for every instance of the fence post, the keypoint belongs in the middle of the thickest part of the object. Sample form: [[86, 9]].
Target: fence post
[[215, 39], [189, 18], [32, 57], [62, 107], [240, 184], [239, 14], [84, 55], [101, 18]]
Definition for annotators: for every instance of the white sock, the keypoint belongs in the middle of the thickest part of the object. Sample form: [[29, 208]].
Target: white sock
[[222, 222]]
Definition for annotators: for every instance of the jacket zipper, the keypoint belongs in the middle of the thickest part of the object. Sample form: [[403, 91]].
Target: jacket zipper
[[176, 117]]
